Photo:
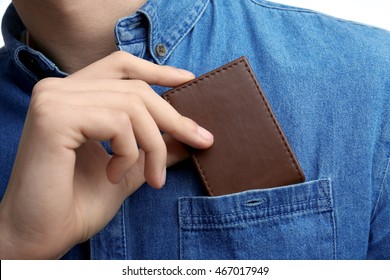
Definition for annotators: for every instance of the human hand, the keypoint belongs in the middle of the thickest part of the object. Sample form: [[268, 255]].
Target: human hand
[[64, 187]]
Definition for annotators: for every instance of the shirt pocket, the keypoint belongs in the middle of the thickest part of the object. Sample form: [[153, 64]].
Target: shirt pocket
[[292, 222]]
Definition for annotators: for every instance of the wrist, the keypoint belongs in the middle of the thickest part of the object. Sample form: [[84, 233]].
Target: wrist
[[16, 245], [7, 250]]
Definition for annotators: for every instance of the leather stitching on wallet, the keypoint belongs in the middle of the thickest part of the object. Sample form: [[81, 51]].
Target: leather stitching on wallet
[[270, 115], [273, 120], [203, 175], [213, 73]]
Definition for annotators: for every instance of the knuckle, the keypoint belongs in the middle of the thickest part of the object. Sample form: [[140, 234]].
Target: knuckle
[[44, 85], [119, 120], [123, 65], [154, 144], [141, 85], [44, 114], [122, 120], [120, 55], [133, 155], [142, 89], [44, 90], [135, 105]]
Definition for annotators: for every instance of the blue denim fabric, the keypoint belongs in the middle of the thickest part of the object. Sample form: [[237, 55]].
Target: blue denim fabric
[[328, 82]]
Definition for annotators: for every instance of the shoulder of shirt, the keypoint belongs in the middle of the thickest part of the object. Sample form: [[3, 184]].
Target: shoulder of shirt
[[286, 8]]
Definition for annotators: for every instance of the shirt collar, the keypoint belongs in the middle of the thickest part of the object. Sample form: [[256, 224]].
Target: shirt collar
[[32, 63], [168, 23], [164, 23]]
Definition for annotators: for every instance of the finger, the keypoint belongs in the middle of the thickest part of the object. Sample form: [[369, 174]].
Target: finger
[[146, 120], [176, 152], [126, 153], [123, 144], [122, 65], [103, 124], [150, 140], [119, 95]]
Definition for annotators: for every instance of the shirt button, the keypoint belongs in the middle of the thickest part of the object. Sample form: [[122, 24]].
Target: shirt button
[[161, 50]]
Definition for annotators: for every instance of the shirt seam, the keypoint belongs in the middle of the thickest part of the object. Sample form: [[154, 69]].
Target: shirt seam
[[272, 208], [213, 224], [124, 249]]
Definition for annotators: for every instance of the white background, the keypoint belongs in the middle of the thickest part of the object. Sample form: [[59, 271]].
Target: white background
[[373, 12], [3, 5], [279, 270]]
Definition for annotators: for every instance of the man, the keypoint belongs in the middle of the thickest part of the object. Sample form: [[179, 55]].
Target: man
[[326, 79]]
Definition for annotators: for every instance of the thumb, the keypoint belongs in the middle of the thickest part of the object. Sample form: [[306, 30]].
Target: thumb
[[176, 152], [122, 65]]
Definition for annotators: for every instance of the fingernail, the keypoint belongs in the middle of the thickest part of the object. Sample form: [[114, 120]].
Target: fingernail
[[163, 176], [205, 134], [186, 73]]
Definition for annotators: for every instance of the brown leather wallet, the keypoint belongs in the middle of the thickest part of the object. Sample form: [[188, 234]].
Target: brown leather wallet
[[250, 150]]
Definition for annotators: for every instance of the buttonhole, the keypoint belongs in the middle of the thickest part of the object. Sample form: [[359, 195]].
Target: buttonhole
[[254, 202]]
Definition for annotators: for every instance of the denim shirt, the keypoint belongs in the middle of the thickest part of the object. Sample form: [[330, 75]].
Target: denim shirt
[[328, 82]]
